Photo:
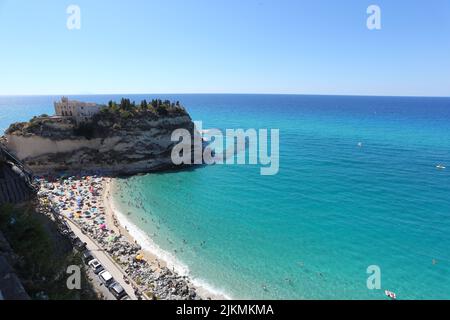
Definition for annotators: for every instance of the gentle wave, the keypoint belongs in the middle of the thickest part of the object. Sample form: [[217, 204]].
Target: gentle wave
[[171, 261]]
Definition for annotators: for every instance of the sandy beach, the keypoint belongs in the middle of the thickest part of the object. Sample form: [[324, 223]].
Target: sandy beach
[[88, 202], [116, 224]]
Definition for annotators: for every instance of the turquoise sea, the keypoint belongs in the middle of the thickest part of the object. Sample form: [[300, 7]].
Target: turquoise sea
[[357, 186]]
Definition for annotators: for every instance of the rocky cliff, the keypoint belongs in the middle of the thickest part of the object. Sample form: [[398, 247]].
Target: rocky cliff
[[116, 141]]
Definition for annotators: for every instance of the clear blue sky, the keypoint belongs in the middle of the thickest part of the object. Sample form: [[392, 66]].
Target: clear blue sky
[[225, 46]]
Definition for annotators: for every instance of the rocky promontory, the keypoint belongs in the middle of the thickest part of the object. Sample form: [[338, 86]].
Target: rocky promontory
[[123, 138]]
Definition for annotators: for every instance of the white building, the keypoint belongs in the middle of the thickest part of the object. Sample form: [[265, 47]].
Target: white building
[[80, 111]]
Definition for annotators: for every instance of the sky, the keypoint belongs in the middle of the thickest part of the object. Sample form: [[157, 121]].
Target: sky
[[225, 46]]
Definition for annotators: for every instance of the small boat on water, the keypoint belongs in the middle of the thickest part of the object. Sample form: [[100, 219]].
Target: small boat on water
[[440, 166], [390, 294]]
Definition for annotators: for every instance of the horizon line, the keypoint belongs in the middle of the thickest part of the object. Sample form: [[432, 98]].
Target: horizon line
[[228, 93]]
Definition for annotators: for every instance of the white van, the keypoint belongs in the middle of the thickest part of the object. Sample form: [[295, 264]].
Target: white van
[[106, 278]]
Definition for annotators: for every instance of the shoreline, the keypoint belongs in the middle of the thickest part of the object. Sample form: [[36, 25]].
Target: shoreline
[[154, 256]]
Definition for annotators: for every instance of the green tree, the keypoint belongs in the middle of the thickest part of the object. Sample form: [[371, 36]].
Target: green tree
[[125, 104], [144, 104]]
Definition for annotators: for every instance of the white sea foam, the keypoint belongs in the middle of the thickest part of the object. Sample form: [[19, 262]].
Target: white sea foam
[[204, 288]]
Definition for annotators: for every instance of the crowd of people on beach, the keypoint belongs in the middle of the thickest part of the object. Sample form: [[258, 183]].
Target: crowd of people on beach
[[81, 199], [136, 200]]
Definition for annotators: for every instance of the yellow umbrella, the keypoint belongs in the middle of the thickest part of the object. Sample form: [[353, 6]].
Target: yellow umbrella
[[140, 257]]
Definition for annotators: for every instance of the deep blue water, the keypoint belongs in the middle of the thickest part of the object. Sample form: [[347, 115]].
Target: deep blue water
[[334, 208]]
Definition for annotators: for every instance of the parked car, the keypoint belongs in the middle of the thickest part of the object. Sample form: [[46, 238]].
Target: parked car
[[72, 235], [87, 256], [79, 245], [96, 266], [106, 278], [117, 291]]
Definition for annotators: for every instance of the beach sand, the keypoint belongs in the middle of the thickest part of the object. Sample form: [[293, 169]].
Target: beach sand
[[114, 224], [87, 201]]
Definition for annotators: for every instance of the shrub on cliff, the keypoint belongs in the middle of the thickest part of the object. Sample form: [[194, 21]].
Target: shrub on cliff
[[15, 127], [144, 105], [24, 127], [126, 110], [44, 254], [125, 114]]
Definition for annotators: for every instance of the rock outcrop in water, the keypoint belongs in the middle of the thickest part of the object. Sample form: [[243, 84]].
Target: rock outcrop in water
[[121, 139]]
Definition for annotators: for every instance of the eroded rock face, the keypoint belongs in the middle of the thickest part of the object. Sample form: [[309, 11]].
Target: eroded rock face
[[113, 144]]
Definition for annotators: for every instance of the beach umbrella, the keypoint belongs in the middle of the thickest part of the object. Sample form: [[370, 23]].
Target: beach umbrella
[[140, 257]]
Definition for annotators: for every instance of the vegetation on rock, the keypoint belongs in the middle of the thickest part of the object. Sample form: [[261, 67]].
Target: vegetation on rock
[[43, 255], [128, 109]]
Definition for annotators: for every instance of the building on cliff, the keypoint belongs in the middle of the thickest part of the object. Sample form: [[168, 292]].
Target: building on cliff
[[79, 111]]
